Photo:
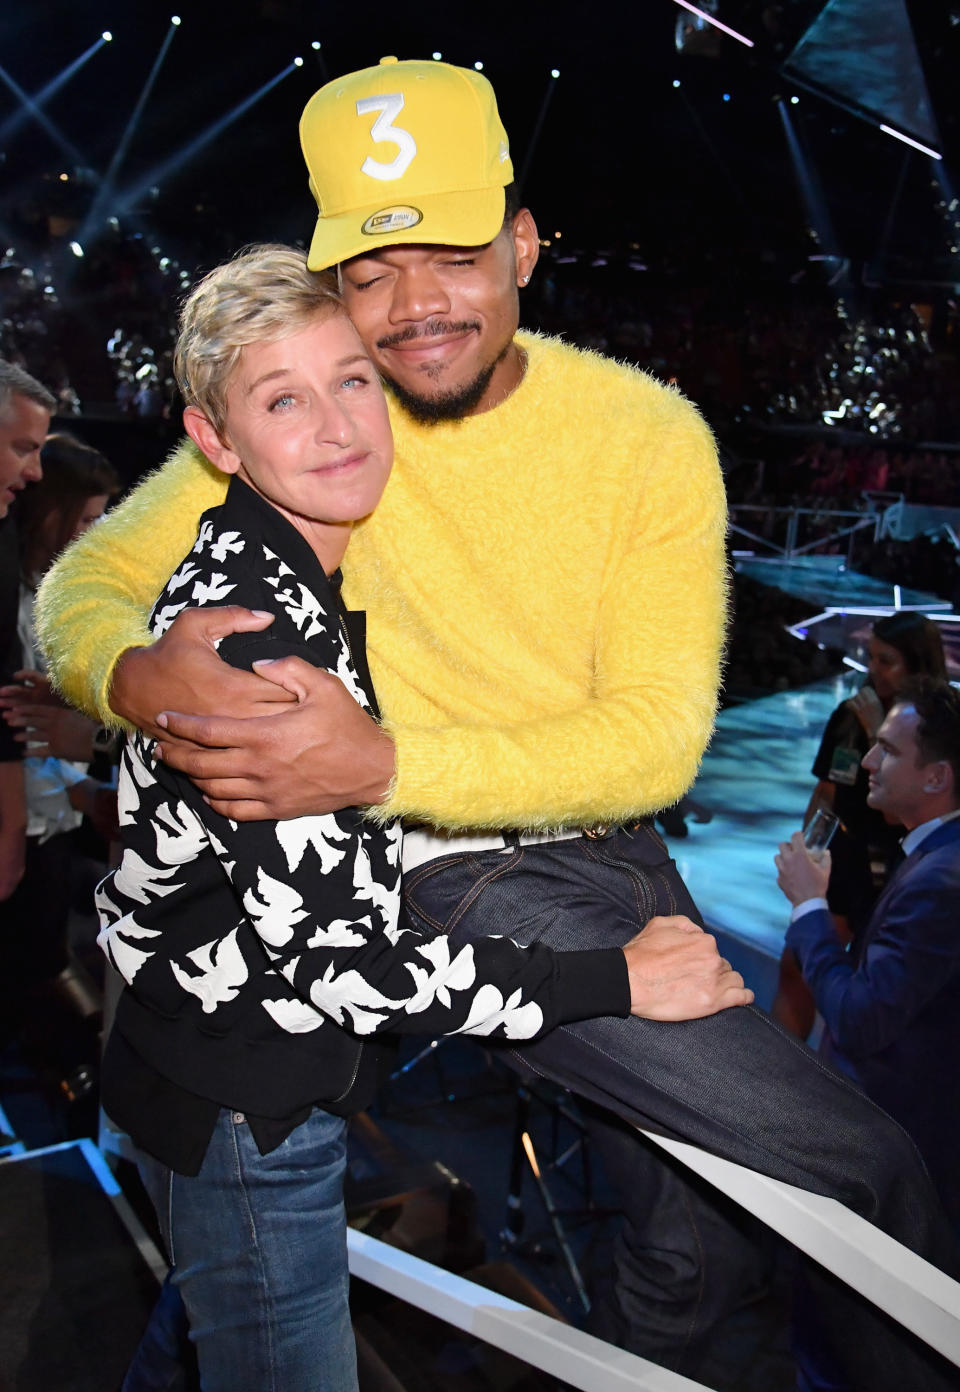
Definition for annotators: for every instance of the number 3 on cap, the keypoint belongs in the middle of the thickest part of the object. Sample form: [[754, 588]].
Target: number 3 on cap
[[390, 104]]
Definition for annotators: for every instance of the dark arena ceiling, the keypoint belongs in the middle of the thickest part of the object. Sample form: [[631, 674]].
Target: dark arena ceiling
[[189, 132]]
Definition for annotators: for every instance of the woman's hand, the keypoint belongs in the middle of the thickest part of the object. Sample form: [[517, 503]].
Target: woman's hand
[[98, 801], [867, 708], [44, 720]]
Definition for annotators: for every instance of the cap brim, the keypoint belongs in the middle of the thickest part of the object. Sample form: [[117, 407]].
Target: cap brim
[[446, 219]]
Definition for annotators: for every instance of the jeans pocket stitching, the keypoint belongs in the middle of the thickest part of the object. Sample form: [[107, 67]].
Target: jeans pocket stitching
[[466, 901], [638, 878], [414, 878], [495, 872]]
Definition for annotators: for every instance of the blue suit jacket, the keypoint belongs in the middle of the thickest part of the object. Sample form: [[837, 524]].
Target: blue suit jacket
[[892, 1009]]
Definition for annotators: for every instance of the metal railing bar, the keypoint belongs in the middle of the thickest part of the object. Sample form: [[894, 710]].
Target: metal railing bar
[[910, 1289], [577, 1358]]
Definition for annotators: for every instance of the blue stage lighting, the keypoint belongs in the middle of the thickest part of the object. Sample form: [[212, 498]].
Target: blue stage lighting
[[105, 194], [175, 20], [106, 36], [151, 181], [298, 62], [815, 203], [554, 72], [437, 57], [31, 108]]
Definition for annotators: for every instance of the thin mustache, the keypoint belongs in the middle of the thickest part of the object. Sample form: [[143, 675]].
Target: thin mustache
[[433, 329]]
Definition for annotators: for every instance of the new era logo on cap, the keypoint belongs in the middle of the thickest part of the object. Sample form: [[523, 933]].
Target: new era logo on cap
[[399, 146], [391, 220]]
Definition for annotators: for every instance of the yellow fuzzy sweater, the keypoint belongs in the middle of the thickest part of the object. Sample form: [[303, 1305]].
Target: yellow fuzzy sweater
[[544, 585]]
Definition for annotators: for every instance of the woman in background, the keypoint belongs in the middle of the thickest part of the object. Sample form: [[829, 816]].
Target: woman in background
[[76, 487], [865, 848]]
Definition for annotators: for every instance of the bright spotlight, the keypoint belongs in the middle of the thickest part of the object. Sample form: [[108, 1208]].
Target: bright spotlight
[[176, 20], [479, 67], [64, 178], [726, 96], [794, 101], [437, 57], [106, 36], [676, 82], [76, 248], [315, 45], [298, 62], [554, 72]]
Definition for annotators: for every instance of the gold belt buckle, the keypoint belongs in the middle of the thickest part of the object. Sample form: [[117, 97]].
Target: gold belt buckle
[[598, 833]]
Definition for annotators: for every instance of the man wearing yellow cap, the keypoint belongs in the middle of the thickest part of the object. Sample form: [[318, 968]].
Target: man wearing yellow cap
[[545, 597]]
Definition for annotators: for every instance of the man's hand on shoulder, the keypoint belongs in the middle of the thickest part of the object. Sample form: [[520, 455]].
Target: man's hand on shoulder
[[319, 755], [677, 973], [181, 671]]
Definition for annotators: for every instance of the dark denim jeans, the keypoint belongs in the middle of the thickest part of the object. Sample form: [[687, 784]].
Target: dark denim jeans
[[258, 1249], [734, 1083]]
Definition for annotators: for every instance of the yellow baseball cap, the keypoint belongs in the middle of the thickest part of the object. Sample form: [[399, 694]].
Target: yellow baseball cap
[[404, 152]]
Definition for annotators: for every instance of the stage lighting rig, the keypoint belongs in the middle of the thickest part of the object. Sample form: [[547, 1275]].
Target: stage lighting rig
[[898, 135], [697, 38]]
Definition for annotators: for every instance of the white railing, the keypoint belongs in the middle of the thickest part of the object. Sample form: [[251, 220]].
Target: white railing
[[577, 1358], [919, 1296], [791, 517], [904, 1285]]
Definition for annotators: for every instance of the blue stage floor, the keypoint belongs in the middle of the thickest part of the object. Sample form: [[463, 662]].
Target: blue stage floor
[[826, 583], [756, 780], [756, 777]]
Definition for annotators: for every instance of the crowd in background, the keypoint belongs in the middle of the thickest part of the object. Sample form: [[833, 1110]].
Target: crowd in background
[[817, 405], [752, 351], [821, 401]]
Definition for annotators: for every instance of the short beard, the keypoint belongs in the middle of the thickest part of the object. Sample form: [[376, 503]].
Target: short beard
[[449, 405]]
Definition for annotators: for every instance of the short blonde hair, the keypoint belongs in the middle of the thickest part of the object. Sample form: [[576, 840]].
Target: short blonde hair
[[263, 294]]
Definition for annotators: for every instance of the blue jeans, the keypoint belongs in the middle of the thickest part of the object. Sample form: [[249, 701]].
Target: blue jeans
[[734, 1083], [258, 1252]]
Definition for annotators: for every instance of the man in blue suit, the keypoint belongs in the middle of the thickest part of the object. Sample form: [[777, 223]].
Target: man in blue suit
[[891, 1004]]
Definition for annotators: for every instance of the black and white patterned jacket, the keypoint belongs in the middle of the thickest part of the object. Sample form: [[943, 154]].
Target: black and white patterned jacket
[[258, 956]]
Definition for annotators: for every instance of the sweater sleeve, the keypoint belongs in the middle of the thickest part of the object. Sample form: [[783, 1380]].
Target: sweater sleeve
[[907, 961], [371, 976], [94, 602], [323, 900], [633, 744]]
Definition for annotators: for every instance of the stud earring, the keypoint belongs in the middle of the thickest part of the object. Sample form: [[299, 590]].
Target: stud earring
[[524, 280]]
